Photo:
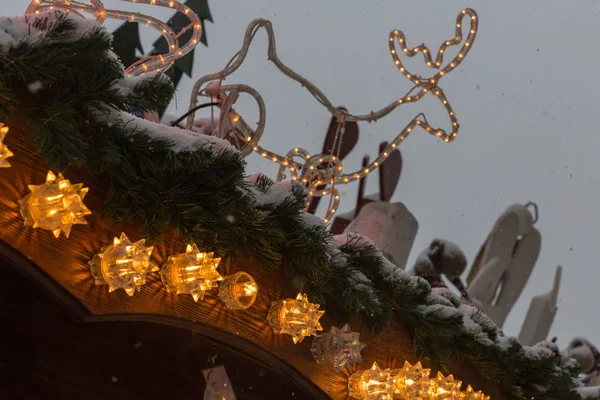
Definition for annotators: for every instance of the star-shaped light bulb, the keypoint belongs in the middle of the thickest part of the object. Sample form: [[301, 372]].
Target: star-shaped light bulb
[[192, 272], [298, 318], [123, 265], [55, 205], [371, 384], [444, 388], [339, 347], [470, 394], [410, 381], [4, 151]]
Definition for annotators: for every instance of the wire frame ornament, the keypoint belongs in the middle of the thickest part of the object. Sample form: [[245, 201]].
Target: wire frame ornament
[[160, 62], [320, 173]]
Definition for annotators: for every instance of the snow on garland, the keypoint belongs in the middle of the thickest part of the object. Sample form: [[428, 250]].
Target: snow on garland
[[33, 29], [195, 183], [475, 324], [181, 140]]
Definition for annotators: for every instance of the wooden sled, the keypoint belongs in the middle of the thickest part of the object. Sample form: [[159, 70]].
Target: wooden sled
[[503, 267]]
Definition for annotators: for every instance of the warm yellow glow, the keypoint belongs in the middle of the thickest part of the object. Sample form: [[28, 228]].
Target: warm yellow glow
[[123, 265], [411, 382], [55, 205], [192, 272], [470, 394], [4, 151], [371, 384], [296, 317], [248, 289], [238, 291], [442, 388], [235, 117]]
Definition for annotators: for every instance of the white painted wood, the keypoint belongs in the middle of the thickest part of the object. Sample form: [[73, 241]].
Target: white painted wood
[[218, 386], [486, 281], [541, 313], [506, 261], [499, 246], [516, 277], [390, 226]]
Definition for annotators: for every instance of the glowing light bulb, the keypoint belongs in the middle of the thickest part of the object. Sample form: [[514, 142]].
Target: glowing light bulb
[[123, 265], [238, 291], [444, 388], [192, 272], [296, 317], [339, 347], [235, 117], [4, 151], [371, 384], [470, 394], [55, 205], [411, 382]]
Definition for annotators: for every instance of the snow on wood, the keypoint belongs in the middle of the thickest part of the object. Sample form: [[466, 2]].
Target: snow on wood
[[509, 255], [541, 313]]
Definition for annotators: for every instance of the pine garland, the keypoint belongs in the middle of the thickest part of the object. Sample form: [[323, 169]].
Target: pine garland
[[202, 192]]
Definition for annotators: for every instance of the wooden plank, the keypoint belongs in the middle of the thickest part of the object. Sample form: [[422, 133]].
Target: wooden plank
[[66, 274]]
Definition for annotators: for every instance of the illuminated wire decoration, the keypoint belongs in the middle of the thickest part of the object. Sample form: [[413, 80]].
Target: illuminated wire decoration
[[326, 169], [159, 62]]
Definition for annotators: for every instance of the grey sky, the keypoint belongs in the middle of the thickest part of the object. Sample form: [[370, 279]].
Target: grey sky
[[524, 97]]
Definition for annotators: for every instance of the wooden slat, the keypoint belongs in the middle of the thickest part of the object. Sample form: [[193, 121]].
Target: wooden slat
[[66, 274]]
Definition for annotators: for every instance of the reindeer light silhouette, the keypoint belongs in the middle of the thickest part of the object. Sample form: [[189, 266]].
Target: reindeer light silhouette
[[321, 173], [159, 62]]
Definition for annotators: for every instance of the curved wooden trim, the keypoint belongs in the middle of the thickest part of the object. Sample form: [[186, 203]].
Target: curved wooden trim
[[80, 313]]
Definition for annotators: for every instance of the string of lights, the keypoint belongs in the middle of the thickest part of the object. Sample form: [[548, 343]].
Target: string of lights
[[321, 172], [159, 62]]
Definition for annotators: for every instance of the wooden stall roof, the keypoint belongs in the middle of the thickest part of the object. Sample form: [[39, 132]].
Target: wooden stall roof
[[46, 354], [62, 266]]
